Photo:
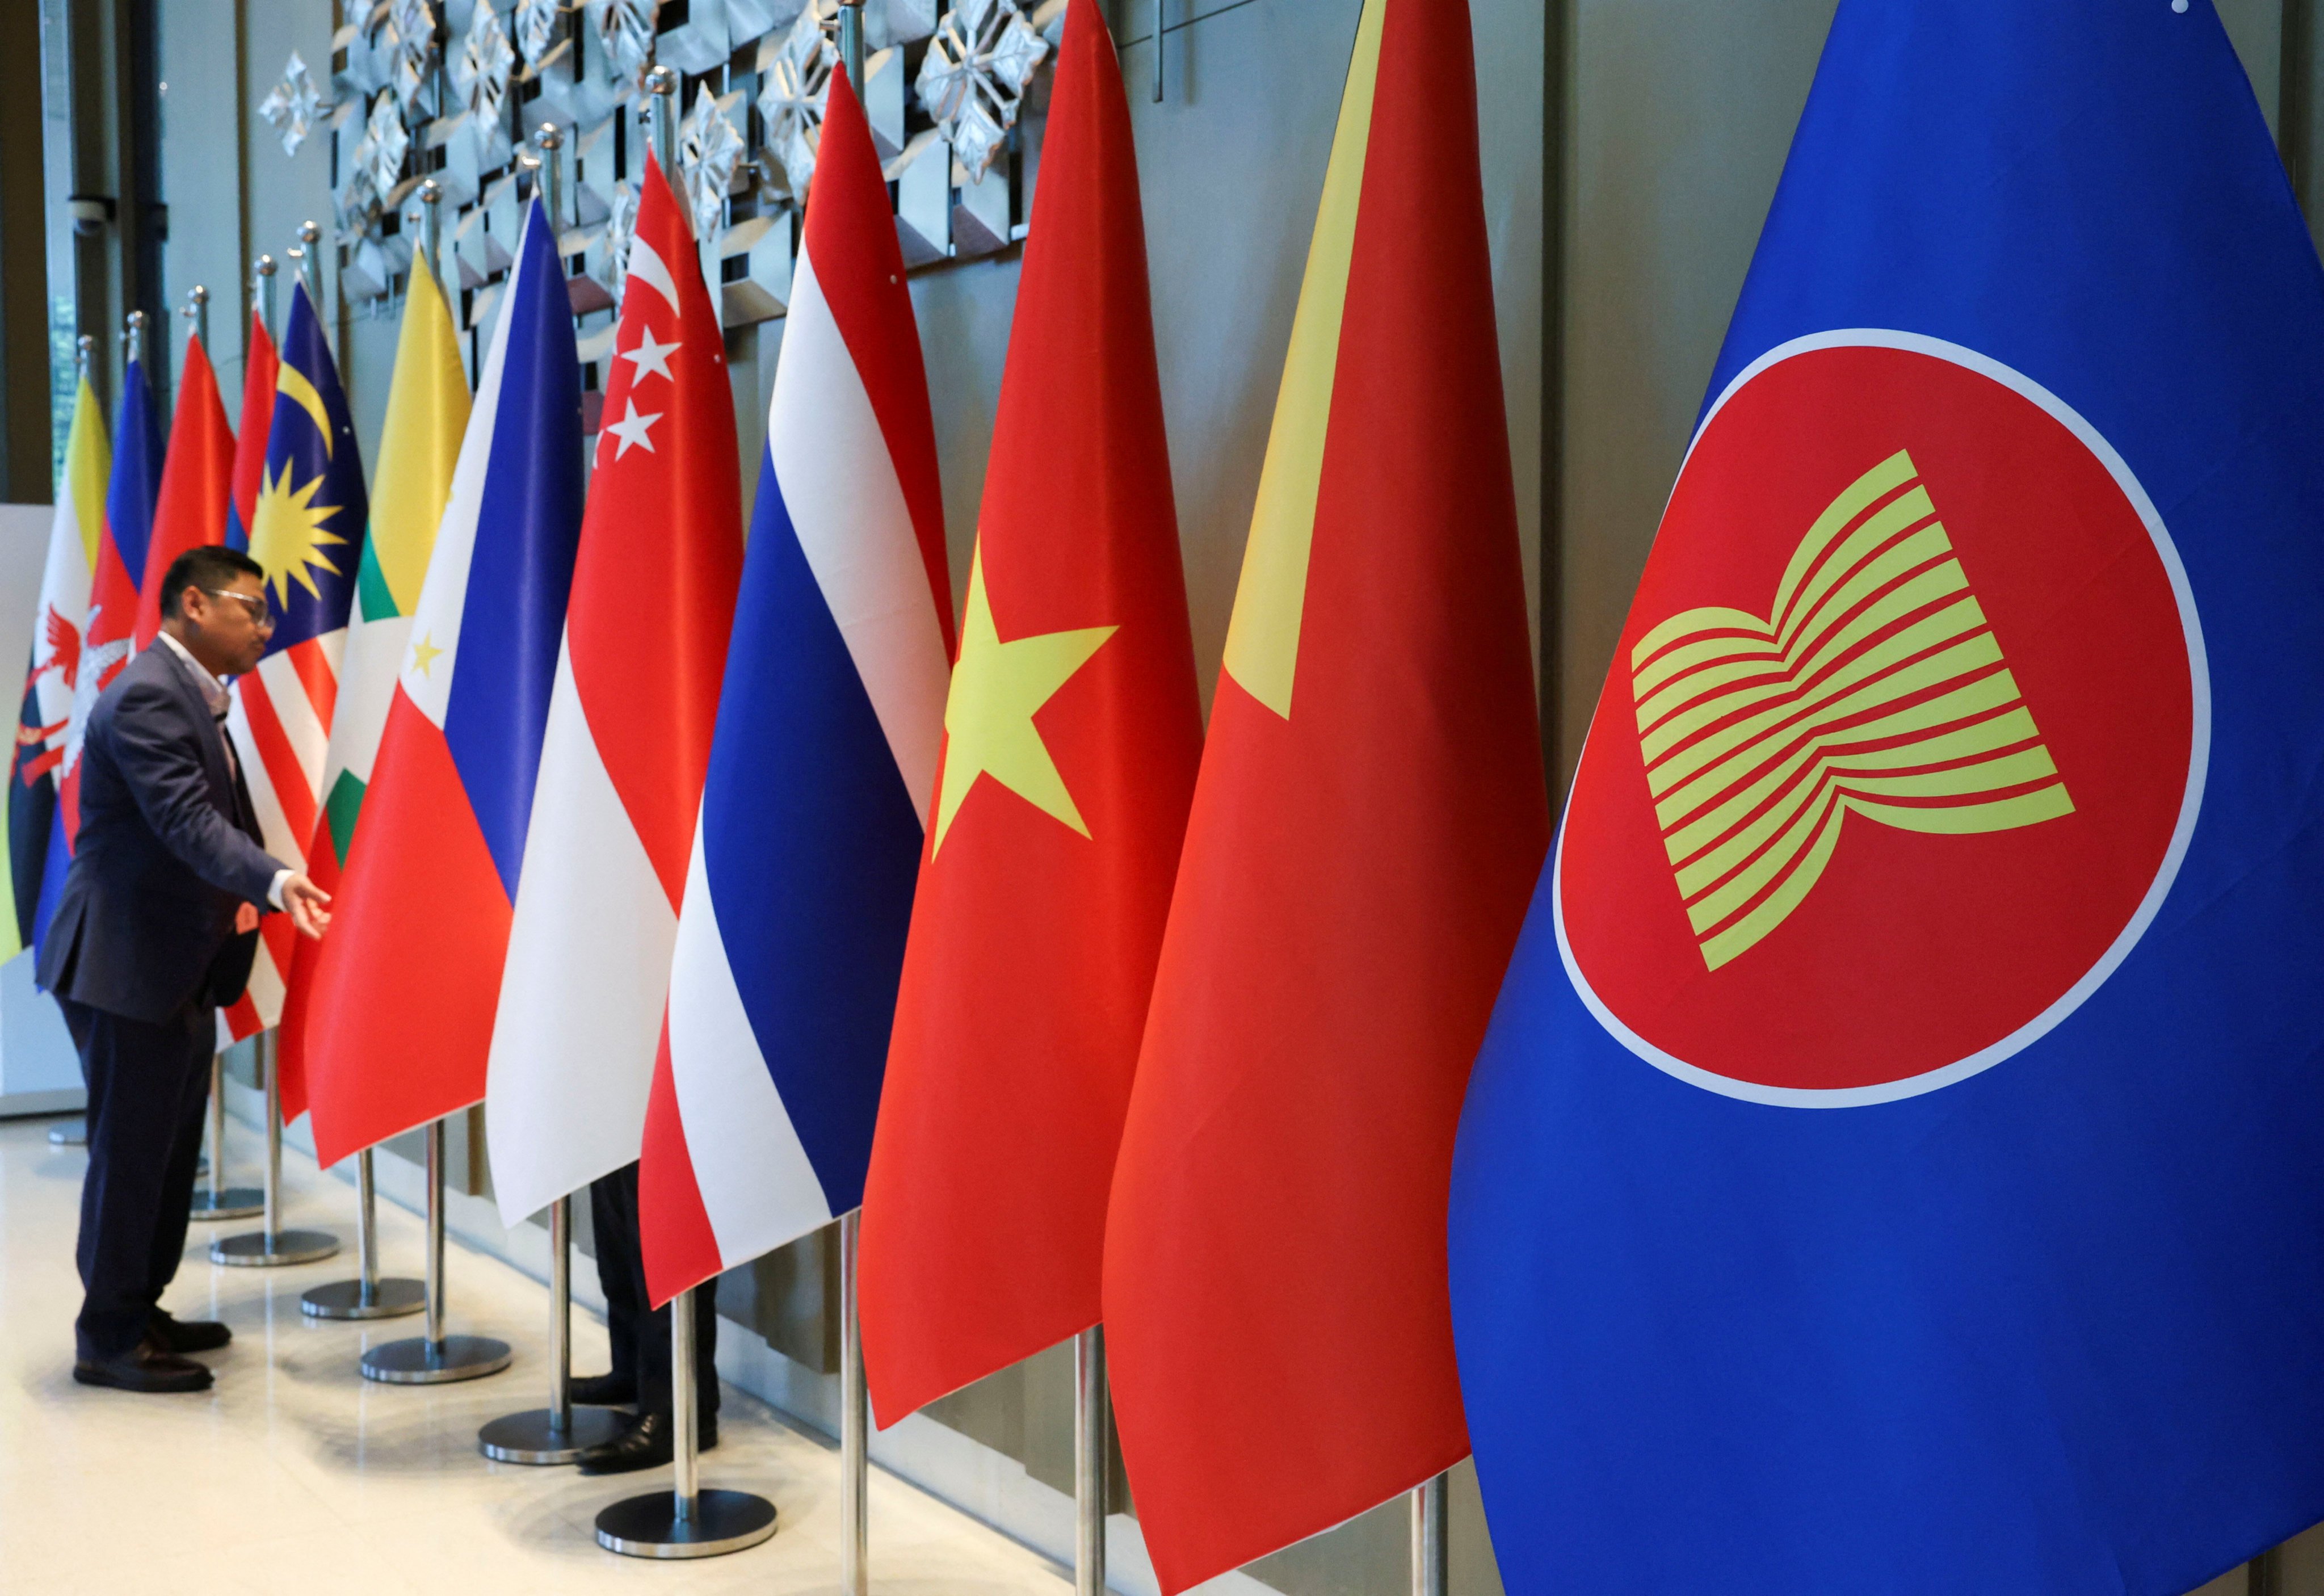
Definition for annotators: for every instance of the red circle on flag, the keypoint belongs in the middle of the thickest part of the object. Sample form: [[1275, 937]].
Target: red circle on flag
[[1902, 744]]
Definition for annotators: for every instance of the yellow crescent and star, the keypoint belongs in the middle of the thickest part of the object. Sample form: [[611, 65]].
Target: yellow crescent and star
[[286, 534], [997, 688]]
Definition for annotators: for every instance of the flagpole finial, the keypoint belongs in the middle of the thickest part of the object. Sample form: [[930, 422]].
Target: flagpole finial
[[552, 173], [198, 311], [662, 84], [431, 226], [133, 337], [84, 351], [265, 306]]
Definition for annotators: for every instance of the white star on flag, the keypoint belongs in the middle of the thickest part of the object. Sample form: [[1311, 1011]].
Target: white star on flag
[[631, 429], [653, 359]]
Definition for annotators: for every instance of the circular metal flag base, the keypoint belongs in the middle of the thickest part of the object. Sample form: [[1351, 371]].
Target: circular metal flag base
[[722, 1521], [255, 1249], [417, 1361], [69, 1133], [236, 1202], [533, 1437], [390, 1298]]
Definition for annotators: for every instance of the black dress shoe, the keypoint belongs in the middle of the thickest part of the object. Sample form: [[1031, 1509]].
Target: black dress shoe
[[147, 1368], [645, 1444], [187, 1335], [604, 1390]]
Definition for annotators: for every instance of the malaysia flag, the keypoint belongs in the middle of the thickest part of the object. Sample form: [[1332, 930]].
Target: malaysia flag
[[799, 889], [400, 1014], [630, 720]]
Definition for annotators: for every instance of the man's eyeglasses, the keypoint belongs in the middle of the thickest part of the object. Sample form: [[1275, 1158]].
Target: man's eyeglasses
[[261, 616]]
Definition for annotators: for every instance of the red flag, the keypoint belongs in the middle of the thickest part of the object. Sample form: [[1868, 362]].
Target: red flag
[[1073, 728], [197, 481], [259, 370], [1369, 820]]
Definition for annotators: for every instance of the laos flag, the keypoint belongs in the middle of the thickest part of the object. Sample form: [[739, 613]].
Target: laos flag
[[1900, 1142]]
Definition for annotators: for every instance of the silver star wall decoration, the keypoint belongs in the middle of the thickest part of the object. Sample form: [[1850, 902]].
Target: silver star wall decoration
[[480, 74], [980, 61], [389, 142], [414, 22], [708, 152], [292, 106], [621, 227], [626, 27], [797, 85], [536, 28]]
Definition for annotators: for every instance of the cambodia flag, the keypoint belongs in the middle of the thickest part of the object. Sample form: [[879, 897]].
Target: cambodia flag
[[307, 530], [259, 370], [791, 930], [1073, 730], [628, 739], [1900, 1143], [197, 483], [400, 1014]]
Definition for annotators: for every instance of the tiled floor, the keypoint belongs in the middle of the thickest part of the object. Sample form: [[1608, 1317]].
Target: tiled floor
[[297, 1475]]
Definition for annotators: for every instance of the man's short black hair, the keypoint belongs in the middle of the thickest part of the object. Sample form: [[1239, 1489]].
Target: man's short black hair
[[213, 565]]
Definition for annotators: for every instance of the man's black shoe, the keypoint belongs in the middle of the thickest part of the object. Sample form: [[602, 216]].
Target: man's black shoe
[[148, 1368], [645, 1444], [187, 1335], [604, 1390]]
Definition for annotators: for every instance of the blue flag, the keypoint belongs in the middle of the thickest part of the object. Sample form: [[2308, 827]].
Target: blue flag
[[1900, 1142]]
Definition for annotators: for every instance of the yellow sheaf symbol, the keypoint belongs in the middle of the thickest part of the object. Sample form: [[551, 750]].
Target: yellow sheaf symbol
[[1877, 686]]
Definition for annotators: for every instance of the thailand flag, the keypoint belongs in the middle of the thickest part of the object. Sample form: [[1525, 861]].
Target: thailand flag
[[630, 720], [400, 1018], [799, 889]]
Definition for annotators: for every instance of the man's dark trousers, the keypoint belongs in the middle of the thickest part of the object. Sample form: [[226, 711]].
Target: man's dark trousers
[[147, 1087], [641, 1338]]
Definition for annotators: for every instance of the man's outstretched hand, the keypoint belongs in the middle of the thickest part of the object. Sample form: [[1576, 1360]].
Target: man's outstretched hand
[[308, 905]]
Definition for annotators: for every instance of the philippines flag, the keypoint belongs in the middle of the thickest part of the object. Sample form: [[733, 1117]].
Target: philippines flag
[[630, 721], [799, 890], [307, 530], [108, 638], [260, 369], [1897, 1155], [399, 1013]]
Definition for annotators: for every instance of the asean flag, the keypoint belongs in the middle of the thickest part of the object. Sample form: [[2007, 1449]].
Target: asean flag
[[1072, 736], [398, 1013], [1900, 1142], [191, 507], [1369, 813], [628, 739], [799, 888]]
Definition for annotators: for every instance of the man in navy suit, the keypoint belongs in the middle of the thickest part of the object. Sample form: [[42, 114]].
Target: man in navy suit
[[156, 927]]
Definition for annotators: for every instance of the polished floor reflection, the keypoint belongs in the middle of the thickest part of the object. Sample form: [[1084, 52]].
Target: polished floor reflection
[[296, 1474]]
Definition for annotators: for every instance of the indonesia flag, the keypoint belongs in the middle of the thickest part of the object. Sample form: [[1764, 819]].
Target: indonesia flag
[[196, 484], [799, 889], [307, 531], [628, 743], [260, 368], [400, 1010]]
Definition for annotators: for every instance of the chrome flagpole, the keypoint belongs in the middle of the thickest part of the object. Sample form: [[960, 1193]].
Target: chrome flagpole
[[685, 1521], [558, 1432], [1430, 1564], [1091, 1448], [855, 1410], [661, 83], [366, 1296], [265, 299], [435, 1359], [217, 1200], [272, 1247]]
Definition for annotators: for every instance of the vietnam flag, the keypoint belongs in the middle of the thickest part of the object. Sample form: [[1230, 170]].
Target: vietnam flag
[[1366, 831], [197, 479], [1073, 731], [260, 368]]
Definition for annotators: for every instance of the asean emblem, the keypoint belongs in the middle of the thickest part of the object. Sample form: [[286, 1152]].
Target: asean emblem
[[1904, 741]]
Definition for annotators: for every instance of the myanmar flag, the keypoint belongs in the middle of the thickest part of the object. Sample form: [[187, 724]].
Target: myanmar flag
[[1368, 820], [420, 443]]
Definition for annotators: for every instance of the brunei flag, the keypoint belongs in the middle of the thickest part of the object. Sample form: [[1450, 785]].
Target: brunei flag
[[1072, 732], [1900, 1143], [1369, 814], [307, 530], [260, 371], [196, 480], [427, 412], [47, 713], [400, 1007]]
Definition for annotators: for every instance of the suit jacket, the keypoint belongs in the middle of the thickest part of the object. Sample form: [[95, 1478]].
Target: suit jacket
[[167, 854]]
